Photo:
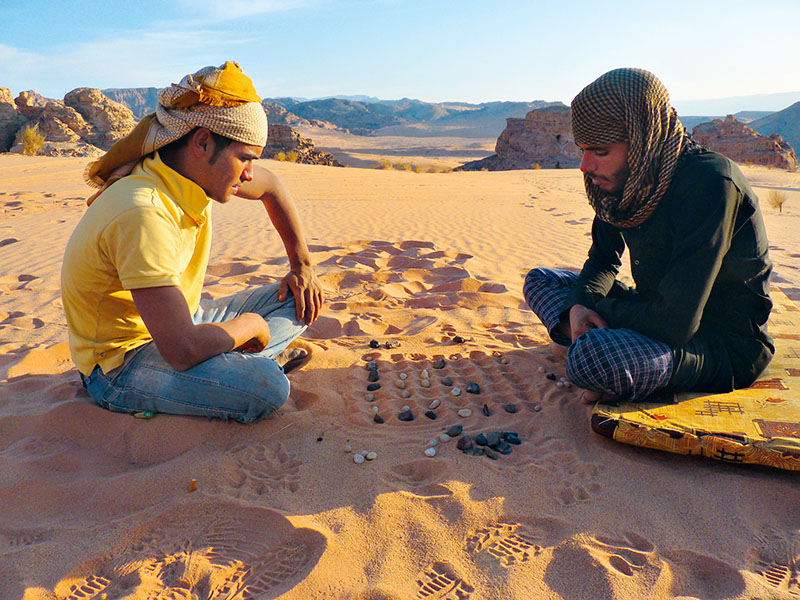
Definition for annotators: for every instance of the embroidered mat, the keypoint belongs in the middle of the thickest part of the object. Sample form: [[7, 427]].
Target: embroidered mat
[[756, 425]]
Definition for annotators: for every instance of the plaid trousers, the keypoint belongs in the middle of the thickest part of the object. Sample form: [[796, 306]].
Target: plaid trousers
[[619, 362]]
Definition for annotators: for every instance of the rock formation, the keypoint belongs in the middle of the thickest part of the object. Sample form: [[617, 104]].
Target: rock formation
[[283, 139], [741, 144], [785, 123], [542, 139], [141, 101], [11, 119], [84, 124]]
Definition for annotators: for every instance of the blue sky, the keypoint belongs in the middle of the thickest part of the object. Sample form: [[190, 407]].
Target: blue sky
[[465, 50]]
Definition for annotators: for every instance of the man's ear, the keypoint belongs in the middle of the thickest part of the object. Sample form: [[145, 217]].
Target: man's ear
[[201, 143]]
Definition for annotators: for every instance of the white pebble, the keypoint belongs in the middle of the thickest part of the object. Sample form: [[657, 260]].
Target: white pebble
[[425, 374], [444, 437], [406, 407], [541, 370], [371, 455], [358, 459], [364, 453], [348, 448], [504, 360], [403, 376], [425, 383], [456, 391], [405, 394], [567, 384], [560, 384], [400, 383], [375, 408], [563, 379], [435, 404], [370, 397], [430, 452], [432, 442], [464, 412]]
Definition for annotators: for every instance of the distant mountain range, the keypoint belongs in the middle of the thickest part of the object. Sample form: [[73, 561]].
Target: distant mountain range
[[366, 115]]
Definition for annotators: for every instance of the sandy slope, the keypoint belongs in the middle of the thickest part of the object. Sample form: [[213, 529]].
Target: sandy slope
[[96, 504]]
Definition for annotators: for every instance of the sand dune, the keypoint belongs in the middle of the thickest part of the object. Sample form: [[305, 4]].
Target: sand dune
[[96, 505]]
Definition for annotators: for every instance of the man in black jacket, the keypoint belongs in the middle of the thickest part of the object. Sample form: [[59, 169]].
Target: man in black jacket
[[696, 318]]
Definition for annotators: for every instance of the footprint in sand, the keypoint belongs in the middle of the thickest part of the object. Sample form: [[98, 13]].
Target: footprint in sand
[[261, 469], [507, 541], [627, 555], [421, 477], [574, 479], [777, 560], [440, 582], [218, 551]]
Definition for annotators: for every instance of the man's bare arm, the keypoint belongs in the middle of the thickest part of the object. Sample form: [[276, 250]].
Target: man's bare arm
[[301, 280], [182, 343]]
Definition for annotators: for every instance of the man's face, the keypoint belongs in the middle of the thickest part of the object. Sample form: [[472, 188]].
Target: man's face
[[606, 165], [229, 169]]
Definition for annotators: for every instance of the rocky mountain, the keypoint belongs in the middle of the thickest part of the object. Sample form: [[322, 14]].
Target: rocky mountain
[[744, 116], [83, 124], [739, 142], [141, 101], [542, 139], [785, 123], [284, 143]]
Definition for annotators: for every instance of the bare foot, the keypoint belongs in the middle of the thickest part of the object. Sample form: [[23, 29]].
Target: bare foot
[[294, 358], [590, 397]]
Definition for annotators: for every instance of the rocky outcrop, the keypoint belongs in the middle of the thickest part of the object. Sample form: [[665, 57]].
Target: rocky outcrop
[[744, 145], [284, 140], [84, 124], [10, 119], [542, 139]]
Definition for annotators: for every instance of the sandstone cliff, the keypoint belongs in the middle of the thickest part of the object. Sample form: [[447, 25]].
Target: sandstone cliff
[[741, 144], [283, 139], [11, 119], [542, 139]]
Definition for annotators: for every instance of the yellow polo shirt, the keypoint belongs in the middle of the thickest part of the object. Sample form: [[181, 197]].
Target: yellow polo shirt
[[149, 229]]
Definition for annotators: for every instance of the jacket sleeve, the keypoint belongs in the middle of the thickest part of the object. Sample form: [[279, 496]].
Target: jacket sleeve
[[701, 222], [600, 269]]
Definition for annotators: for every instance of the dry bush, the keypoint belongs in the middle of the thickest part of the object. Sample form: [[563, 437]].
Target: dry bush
[[385, 164], [292, 156], [281, 156], [32, 140], [776, 199], [536, 166]]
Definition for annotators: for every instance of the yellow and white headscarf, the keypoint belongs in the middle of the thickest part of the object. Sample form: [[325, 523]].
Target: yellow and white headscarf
[[222, 99], [631, 105]]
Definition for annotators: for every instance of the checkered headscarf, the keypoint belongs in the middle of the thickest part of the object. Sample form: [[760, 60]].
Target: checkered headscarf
[[632, 105]]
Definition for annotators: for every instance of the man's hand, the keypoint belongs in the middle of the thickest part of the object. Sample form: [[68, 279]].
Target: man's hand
[[307, 293], [582, 319], [257, 327]]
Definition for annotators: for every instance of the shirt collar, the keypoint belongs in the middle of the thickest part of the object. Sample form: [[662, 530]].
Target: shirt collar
[[186, 193]]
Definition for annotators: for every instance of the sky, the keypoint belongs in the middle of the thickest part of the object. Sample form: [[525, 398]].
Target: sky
[[431, 50]]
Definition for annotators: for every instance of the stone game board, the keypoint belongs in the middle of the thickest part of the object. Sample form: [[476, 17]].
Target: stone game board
[[756, 425]]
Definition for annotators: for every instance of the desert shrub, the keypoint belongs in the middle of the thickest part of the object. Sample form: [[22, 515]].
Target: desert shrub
[[32, 140], [384, 164], [292, 156], [776, 199], [536, 166], [281, 156]]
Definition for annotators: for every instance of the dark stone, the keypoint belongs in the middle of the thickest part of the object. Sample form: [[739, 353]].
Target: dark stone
[[319, 439], [512, 437], [431, 415], [374, 343], [373, 375], [378, 419], [392, 344], [490, 453], [447, 381], [551, 376], [371, 366], [373, 386], [486, 411], [473, 388], [493, 438], [464, 443], [406, 415], [480, 439], [458, 339], [503, 448], [438, 363], [455, 431], [510, 408], [474, 451]]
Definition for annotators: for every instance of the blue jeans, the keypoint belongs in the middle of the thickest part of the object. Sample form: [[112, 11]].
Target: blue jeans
[[234, 385]]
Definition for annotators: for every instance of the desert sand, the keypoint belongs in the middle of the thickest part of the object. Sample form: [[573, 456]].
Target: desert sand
[[96, 505]]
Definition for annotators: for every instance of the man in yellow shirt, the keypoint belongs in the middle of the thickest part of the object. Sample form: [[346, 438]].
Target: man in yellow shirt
[[140, 334]]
